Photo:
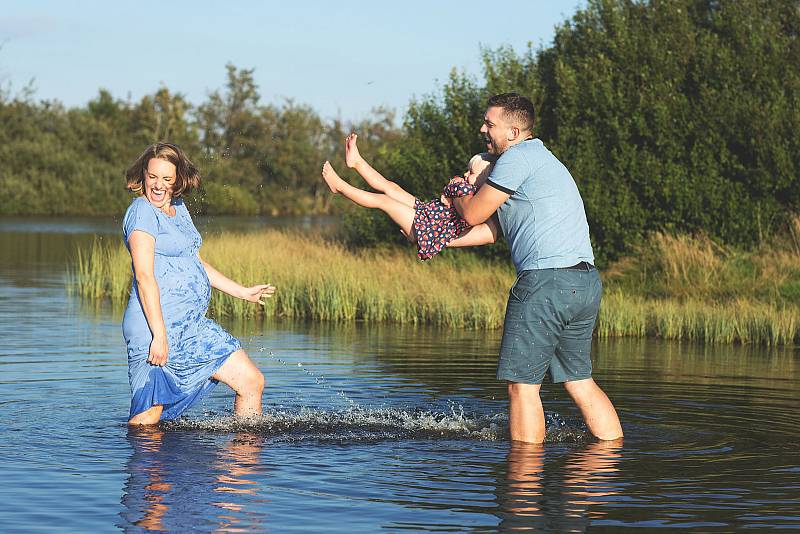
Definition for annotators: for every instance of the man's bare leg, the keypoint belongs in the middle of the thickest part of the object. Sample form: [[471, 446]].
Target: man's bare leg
[[525, 412], [376, 180], [597, 410], [401, 214]]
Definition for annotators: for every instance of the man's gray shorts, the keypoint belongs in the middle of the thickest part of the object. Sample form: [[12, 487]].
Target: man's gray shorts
[[548, 325]]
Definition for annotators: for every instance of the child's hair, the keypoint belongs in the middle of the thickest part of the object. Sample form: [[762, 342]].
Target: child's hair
[[187, 177], [483, 156]]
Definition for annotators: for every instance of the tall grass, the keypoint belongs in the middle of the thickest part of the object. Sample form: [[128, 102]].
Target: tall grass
[[101, 271], [674, 287], [740, 321], [322, 280]]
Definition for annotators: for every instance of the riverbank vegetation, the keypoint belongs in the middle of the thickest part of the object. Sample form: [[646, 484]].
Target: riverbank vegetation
[[674, 287], [676, 116]]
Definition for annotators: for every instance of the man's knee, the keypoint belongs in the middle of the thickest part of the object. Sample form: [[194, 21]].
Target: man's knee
[[520, 391], [580, 388]]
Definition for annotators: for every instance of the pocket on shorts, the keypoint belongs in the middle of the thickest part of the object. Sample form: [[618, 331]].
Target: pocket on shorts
[[521, 290], [572, 286]]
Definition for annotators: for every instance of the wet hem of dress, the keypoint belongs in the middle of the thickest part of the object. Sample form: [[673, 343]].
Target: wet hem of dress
[[200, 392], [207, 387]]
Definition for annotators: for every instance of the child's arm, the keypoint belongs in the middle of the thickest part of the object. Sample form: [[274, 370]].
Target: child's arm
[[481, 234], [226, 285]]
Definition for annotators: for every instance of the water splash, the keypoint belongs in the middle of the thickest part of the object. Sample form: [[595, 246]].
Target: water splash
[[319, 379], [358, 424]]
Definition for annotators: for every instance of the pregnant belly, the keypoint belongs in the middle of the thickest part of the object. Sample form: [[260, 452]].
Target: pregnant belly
[[184, 291], [184, 286]]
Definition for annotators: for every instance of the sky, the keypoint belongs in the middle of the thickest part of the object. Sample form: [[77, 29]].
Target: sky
[[341, 58]]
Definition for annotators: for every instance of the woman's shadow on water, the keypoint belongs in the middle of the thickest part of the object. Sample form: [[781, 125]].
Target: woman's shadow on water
[[178, 479]]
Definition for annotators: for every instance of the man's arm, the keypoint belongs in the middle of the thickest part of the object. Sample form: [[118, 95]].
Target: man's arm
[[477, 208]]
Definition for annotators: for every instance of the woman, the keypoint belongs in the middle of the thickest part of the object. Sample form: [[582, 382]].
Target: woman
[[175, 353]]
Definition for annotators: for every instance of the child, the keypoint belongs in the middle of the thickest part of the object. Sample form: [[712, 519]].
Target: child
[[433, 225]]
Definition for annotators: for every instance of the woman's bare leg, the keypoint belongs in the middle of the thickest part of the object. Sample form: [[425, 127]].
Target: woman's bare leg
[[150, 416], [376, 180], [401, 214], [242, 376]]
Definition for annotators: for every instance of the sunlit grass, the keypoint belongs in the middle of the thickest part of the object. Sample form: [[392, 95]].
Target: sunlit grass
[[739, 321], [686, 288], [318, 279]]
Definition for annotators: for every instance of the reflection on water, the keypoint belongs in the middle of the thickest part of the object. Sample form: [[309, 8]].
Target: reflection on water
[[175, 480], [566, 494], [372, 427]]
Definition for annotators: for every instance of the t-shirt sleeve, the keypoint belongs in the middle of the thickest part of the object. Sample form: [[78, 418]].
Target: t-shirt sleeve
[[140, 216], [509, 171]]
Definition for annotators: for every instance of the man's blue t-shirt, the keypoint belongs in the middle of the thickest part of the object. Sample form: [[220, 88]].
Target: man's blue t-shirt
[[544, 219]]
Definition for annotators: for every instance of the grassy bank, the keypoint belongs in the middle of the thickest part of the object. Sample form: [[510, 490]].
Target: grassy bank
[[322, 280], [672, 287]]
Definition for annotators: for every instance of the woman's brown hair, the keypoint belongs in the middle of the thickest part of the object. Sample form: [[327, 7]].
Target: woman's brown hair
[[187, 177]]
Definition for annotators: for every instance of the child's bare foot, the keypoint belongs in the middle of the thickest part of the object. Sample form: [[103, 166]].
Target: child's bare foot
[[351, 153], [331, 178]]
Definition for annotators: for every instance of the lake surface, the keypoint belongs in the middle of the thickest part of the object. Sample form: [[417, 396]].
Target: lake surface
[[370, 427]]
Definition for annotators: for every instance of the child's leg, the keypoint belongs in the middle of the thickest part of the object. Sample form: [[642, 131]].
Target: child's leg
[[474, 236], [375, 179], [400, 213]]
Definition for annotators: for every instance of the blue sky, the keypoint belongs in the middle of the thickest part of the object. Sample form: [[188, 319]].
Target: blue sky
[[341, 58]]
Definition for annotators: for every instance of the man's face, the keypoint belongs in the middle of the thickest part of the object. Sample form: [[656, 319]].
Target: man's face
[[496, 131]]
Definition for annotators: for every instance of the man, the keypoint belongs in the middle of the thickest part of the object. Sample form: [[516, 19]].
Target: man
[[553, 305]]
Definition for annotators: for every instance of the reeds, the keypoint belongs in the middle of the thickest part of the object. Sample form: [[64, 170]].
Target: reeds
[[101, 271], [322, 280], [739, 321], [686, 288]]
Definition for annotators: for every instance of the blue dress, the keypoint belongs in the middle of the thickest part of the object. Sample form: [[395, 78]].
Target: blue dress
[[197, 345], [435, 224]]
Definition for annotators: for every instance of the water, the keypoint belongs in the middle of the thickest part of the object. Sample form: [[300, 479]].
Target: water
[[373, 427]]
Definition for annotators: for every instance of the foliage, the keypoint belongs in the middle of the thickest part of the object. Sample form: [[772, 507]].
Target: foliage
[[254, 158], [672, 115], [678, 115], [675, 116]]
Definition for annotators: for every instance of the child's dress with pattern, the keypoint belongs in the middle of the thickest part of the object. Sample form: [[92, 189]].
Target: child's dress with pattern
[[435, 224], [197, 345]]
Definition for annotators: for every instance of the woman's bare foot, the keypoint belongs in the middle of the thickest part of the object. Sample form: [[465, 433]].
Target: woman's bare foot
[[331, 178], [351, 154]]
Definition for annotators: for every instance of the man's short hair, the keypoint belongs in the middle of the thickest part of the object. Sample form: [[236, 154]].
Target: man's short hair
[[517, 109]]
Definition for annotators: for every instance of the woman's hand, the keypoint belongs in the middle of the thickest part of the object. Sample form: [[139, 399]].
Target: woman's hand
[[159, 350], [257, 293]]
